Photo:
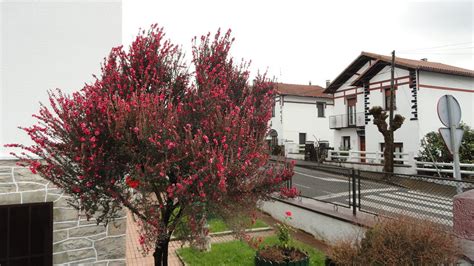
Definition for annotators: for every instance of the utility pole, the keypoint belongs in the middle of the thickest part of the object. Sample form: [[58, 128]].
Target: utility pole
[[390, 145], [392, 89]]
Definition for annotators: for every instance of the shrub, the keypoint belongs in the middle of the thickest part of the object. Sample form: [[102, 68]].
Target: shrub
[[401, 241], [433, 147]]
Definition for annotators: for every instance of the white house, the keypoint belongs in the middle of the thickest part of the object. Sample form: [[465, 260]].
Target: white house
[[301, 114], [419, 84]]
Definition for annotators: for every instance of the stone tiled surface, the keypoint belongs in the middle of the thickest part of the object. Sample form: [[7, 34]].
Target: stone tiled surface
[[135, 257], [75, 240]]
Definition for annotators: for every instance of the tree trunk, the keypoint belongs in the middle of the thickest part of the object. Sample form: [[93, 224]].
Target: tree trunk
[[161, 252], [388, 152]]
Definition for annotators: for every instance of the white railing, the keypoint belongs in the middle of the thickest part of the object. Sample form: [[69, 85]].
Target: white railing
[[375, 157], [407, 158], [346, 120], [435, 167]]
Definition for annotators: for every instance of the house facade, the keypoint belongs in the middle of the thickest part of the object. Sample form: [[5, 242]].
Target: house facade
[[46, 45], [418, 86], [300, 115]]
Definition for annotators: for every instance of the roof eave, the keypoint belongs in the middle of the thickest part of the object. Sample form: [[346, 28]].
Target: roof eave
[[344, 76]]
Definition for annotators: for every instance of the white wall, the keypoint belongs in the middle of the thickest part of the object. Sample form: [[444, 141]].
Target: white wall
[[276, 121], [340, 108], [47, 45], [408, 133], [428, 99], [346, 132], [321, 226], [300, 115]]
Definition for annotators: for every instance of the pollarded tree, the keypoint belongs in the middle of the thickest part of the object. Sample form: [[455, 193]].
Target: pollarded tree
[[160, 141], [387, 130]]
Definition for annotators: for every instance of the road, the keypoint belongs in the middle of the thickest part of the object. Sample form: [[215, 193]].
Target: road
[[374, 197]]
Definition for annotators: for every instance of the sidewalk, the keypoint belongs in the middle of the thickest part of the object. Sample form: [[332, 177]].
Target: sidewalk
[[135, 257]]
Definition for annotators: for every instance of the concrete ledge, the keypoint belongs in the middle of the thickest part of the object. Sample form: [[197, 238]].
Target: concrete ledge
[[319, 219], [230, 232]]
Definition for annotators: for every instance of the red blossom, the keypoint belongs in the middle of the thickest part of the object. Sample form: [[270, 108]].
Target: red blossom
[[132, 183], [289, 192], [194, 140]]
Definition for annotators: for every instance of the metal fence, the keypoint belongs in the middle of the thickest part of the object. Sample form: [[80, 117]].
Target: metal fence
[[335, 190], [389, 194]]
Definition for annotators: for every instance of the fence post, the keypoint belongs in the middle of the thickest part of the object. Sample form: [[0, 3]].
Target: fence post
[[329, 155], [358, 188], [354, 192], [411, 159]]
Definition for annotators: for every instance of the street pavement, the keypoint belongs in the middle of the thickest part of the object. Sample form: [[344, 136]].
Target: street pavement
[[375, 197]]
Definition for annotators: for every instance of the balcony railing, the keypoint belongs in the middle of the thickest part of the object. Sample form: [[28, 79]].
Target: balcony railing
[[347, 120]]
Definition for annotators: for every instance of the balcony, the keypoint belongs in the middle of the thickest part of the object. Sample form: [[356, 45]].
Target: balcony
[[346, 120]]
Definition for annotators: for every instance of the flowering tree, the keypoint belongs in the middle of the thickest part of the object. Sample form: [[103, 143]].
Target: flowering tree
[[165, 143]]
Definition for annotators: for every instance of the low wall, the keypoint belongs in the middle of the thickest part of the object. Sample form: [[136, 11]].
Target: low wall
[[75, 240], [324, 224], [329, 223]]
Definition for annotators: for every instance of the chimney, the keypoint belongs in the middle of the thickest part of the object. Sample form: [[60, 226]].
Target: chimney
[[424, 59], [310, 83], [328, 81]]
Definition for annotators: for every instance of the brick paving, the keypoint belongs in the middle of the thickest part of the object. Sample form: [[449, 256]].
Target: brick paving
[[135, 257]]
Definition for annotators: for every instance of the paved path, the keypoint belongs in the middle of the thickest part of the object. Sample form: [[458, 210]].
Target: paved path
[[135, 257]]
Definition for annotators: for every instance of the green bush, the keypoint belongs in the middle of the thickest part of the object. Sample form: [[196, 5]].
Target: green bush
[[433, 147]]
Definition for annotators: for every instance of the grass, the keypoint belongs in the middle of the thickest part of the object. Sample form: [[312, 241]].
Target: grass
[[230, 253], [217, 225], [239, 253]]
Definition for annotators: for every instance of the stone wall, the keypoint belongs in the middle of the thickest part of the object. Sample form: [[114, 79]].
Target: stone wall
[[463, 214], [75, 240]]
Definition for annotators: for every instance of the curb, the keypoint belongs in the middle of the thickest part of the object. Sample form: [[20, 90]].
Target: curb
[[229, 232]]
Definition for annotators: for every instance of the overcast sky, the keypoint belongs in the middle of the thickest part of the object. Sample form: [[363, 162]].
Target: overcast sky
[[300, 41]]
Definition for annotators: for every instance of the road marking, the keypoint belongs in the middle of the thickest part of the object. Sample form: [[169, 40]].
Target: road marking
[[435, 219], [302, 185], [405, 198], [329, 179], [413, 194], [325, 173], [336, 195], [429, 195], [404, 204]]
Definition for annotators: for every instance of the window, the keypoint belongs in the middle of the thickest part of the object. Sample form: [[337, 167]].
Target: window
[[351, 111], [26, 234], [302, 138], [321, 108], [346, 143], [387, 99]]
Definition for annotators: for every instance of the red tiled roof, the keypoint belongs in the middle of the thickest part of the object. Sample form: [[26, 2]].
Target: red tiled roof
[[423, 65], [301, 90], [364, 57]]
